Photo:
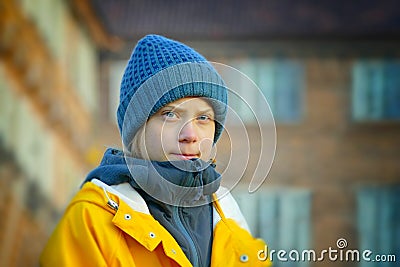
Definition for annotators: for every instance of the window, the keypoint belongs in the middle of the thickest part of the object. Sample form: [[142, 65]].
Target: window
[[280, 81], [279, 216], [379, 222], [376, 90], [86, 71], [116, 71]]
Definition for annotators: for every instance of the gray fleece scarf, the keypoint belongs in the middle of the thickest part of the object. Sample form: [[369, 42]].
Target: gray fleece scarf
[[178, 195]]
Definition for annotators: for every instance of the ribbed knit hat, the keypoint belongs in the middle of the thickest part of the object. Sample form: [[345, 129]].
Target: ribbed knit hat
[[161, 71]]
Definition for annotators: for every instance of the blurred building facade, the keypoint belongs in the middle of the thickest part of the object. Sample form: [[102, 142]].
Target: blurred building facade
[[336, 172], [48, 102], [330, 73]]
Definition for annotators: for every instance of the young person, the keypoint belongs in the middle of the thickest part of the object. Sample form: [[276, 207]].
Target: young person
[[158, 202]]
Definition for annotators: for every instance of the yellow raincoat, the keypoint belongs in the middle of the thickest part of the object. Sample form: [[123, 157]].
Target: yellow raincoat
[[102, 228]]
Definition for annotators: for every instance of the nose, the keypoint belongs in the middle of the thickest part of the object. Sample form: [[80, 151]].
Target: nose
[[188, 133]]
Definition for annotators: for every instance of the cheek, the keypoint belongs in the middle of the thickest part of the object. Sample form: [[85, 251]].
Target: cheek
[[159, 140], [169, 134], [206, 144], [208, 134], [150, 142], [206, 147], [152, 139]]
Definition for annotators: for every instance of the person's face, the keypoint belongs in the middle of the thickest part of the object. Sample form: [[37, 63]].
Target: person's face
[[181, 130]]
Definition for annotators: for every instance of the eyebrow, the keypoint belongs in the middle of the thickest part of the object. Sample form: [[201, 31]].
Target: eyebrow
[[178, 109]]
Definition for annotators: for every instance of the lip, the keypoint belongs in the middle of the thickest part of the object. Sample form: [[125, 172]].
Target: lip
[[186, 156]]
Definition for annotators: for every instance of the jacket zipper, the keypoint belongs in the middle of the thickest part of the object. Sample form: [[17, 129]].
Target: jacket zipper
[[181, 227]]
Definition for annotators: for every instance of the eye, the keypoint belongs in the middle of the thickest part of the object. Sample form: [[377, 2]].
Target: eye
[[203, 118], [169, 115]]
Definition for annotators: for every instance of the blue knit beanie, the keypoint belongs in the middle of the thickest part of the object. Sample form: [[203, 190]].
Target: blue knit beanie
[[161, 71]]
